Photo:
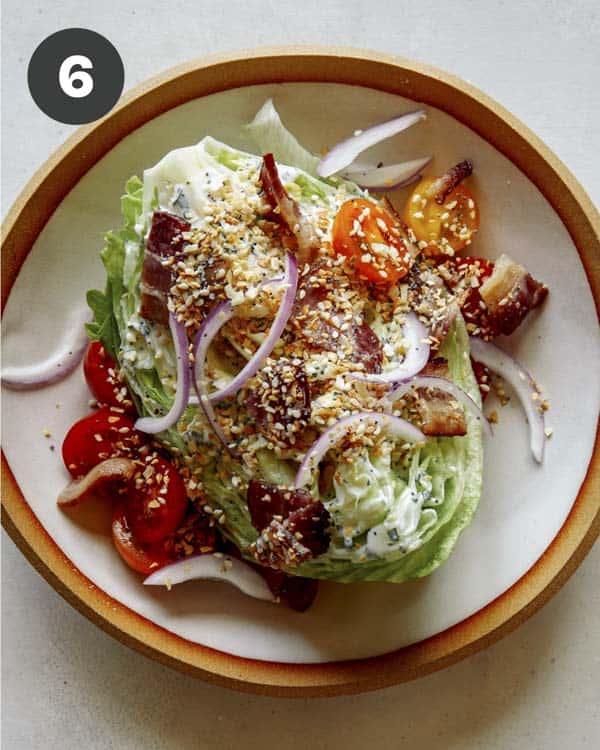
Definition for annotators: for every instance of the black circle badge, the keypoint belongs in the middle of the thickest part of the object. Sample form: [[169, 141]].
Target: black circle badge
[[75, 76]]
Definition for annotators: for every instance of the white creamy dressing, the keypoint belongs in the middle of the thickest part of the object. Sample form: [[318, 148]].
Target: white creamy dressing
[[404, 525], [189, 170], [371, 501]]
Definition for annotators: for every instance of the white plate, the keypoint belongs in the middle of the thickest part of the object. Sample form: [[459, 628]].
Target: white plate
[[523, 505]]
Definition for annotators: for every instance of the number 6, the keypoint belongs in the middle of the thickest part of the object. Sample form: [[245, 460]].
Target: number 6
[[66, 78]]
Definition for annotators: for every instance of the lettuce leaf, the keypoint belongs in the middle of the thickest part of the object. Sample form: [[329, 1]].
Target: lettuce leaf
[[271, 136], [108, 318]]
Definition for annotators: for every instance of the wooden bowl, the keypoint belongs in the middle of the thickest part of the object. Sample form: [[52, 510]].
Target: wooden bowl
[[395, 76]]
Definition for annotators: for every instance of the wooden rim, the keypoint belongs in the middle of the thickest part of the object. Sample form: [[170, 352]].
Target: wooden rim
[[47, 188]]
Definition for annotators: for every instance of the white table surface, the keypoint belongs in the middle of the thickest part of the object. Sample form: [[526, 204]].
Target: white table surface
[[68, 685]]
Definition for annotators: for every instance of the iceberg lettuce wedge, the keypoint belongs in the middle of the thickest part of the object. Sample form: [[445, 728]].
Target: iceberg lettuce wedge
[[393, 521]]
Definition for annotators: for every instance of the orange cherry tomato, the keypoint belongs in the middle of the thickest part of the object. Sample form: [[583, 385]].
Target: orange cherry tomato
[[372, 240], [441, 230]]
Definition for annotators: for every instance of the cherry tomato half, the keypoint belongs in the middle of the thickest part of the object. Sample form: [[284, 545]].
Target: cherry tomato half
[[103, 434], [371, 238], [156, 502], [102, 375], [141, 558], [447, 228]]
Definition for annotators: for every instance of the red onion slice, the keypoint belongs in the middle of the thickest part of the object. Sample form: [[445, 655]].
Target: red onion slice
[[415, 360], [213, 568], [345, 152], [399, 428], [211, 325], [387, 178], [111, 470], [56, 367], [267, 346], [523, 384], [152, 425], [441, 384]]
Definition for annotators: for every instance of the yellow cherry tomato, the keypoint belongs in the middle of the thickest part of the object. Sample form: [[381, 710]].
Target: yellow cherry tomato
[[441, 229]]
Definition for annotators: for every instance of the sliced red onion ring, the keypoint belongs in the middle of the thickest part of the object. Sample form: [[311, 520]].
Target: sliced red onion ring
[[415, 360], [213, 568], [441, 384], [523, 384], [56, 367], [387, 178], [399, 428], [211, 325], [345, 152], [267, 346], [152, 425], [111, 470]]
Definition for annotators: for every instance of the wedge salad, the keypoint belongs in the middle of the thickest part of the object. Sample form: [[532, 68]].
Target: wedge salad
[[289, 370]]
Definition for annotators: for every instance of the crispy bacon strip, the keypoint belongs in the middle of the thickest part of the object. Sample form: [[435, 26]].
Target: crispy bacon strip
[[293, 526], [289, 211], [445, 184], [509, 294], [439, 414], [164, 241], [317, 328], [430, 299]]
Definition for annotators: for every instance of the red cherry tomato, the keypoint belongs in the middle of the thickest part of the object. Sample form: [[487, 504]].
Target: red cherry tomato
[[482, 375], [370, 237], [142, 559], [468, 269], [103, 434], [156, 502], [102, 375]]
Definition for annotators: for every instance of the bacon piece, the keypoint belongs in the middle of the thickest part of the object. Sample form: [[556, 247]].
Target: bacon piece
[[280, 402], [268, 500], [153, 306], [445, 184], [289, 210], [293, 526], [165, 240], [430, 299], [509, 294], [313, 317], [297, 591], [440, 415], [310, 525], [166, 234], [155, 275], [367, 347], [195, 536], [464, 277]]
